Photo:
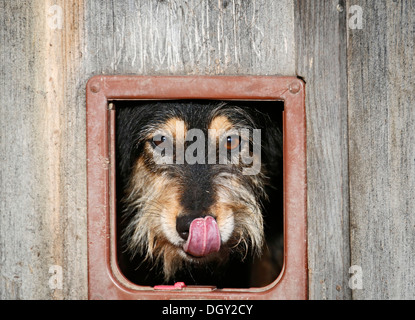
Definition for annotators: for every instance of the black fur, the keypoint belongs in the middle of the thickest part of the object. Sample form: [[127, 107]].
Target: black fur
[[133, 120]]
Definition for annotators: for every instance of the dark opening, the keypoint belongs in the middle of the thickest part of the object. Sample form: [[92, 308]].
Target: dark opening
[[136, 119]]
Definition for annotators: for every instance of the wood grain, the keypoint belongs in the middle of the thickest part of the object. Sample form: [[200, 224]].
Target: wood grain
[[360, 124], [382, 149], [43, 74], [321, 61], [43, 203], [193, 36]]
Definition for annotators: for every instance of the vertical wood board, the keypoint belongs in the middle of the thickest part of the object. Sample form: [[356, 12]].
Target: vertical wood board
[[382, 149], [321, 61]]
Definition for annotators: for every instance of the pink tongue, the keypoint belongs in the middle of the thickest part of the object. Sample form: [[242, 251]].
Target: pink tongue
[[204, 237]]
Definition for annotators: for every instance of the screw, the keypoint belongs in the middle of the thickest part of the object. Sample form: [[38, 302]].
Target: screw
[[340, 8], [295, 87], [95, 87]]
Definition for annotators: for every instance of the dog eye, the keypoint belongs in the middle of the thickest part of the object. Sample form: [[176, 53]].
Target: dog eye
[[233, 142], [157, 140]]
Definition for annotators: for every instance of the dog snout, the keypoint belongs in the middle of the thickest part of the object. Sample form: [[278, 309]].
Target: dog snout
[[183, 224]]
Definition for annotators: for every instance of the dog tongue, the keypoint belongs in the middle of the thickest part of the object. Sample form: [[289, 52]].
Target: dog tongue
[[204, 237]]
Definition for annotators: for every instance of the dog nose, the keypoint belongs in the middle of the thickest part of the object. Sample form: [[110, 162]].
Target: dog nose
[[183, 225]]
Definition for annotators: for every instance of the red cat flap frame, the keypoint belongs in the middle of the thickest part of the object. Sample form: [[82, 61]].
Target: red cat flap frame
[[105, 280]]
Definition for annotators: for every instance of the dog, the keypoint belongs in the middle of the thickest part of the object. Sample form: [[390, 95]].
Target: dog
[[201, 194]]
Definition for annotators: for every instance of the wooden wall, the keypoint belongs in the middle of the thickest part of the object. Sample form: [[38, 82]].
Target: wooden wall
[[360, 124]]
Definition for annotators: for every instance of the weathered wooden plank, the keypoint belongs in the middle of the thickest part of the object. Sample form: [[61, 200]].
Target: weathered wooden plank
[[202, 37], [382, 149], [14, 143], [43, 200], [321, 61]]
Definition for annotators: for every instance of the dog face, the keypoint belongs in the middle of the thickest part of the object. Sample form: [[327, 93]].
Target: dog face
[[190, 197]]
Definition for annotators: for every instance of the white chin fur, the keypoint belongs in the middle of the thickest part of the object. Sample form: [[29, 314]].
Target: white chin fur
[[226, 228], [170, 232]]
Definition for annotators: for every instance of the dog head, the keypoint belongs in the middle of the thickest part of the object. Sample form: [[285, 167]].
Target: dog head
[[194, 181]]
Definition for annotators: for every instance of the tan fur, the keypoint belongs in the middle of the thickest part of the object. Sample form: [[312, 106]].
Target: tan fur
[[220, 123], [176, 127], [155, 198], [248, 221]]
